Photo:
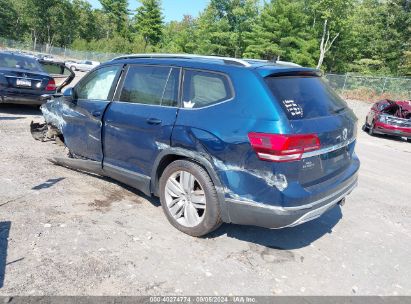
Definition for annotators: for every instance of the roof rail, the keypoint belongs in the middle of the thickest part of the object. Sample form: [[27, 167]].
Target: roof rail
[[227, 60], [287, 63], [279, 62]]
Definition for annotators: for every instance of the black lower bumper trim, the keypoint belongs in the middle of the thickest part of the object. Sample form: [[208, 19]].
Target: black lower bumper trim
[[256, 214], [22, 99]]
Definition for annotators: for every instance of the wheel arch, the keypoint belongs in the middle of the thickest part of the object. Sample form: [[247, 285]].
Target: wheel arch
[[170, 155]]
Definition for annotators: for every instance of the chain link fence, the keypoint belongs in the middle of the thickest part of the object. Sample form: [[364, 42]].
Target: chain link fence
[[60, 53], [350, 86], [370, 88]]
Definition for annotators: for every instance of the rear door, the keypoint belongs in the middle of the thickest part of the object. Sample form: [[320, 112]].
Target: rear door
[[312, 107], [139, 123], [82, 131]]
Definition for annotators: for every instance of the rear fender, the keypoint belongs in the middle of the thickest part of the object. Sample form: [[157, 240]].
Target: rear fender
[[202, 160]]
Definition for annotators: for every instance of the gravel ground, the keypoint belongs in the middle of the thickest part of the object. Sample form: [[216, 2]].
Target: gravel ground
[[67, 233]]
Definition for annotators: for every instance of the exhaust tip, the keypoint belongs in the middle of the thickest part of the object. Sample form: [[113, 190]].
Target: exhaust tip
[[342, 202]]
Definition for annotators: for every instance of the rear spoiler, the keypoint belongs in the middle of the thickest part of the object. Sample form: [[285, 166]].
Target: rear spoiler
[[289, 72]]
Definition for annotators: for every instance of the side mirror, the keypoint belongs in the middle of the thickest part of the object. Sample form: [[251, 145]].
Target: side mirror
[[69, 95]]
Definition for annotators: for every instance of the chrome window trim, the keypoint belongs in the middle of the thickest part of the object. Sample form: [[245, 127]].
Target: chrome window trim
[[225, 75], [128, 66]]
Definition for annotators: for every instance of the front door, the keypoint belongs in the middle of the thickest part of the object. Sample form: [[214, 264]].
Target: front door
[[82, 132], [139, 122]]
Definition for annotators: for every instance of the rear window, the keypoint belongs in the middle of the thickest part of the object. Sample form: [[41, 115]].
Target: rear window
[[305, 97], [12, 61]]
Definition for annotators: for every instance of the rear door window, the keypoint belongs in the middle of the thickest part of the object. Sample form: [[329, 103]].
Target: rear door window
[[305, 97], [202, 89], [151, 85]]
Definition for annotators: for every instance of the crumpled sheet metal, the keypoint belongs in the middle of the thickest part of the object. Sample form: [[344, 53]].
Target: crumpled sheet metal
[[53, 112], [400, 109]]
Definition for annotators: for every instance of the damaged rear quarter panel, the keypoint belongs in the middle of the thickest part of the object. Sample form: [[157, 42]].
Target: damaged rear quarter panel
[[227, 147]]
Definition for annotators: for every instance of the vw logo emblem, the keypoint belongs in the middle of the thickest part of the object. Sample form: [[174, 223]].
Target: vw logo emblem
[[345, 134]]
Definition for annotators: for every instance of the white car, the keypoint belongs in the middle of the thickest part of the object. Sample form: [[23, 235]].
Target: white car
[[84, 66]]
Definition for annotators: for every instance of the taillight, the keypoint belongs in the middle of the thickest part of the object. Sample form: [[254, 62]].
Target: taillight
[[282, 148], [51, 85]]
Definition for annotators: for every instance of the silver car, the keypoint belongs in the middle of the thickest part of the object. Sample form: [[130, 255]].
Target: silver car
[[84, 65]]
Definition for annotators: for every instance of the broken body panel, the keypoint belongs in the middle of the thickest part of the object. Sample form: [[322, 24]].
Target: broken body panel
[[132, 142], [390, 117]]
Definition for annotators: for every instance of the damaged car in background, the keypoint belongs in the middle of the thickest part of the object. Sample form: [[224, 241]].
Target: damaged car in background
[[216, 139], [25, 79], [390, 117]]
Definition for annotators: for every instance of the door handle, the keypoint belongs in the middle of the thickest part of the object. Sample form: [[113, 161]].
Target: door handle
[[154, 121], [96, 113]]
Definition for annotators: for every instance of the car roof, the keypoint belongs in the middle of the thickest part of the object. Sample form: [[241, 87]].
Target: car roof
[[17, 54], [263, 67]]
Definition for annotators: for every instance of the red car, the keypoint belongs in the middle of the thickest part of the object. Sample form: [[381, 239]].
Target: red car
[[390, 117]]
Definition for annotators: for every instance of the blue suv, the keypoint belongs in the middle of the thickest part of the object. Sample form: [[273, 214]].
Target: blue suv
[[216, 139]]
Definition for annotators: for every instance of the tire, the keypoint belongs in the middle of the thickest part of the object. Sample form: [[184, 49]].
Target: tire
[[179, 181], [371, 129]]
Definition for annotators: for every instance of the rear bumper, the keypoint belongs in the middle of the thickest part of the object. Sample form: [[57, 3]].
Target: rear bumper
[[26, 99], [263, 215], [382, 128]]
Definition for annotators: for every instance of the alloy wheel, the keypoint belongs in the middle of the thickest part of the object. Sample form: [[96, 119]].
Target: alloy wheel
[[185, 198]]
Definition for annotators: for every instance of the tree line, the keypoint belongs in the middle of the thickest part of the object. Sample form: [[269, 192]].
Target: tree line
[[362, 36]]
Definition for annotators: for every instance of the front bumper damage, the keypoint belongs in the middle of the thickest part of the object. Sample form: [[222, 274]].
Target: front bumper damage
[[52, 129], [396, 128], [395, 119], [52, 107]]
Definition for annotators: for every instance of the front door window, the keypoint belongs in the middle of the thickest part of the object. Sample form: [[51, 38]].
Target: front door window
[[97, 86]]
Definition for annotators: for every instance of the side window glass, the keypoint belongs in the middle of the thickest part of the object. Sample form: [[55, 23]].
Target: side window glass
[[151, 85], [98, 84], [203, 89]]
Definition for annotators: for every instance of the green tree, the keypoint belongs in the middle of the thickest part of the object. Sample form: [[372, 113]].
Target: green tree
[[283, 32], [405, 67], [8, 17], [102, 26], [50, 21], [239, 15], [223, 25], [148, 22], [328, 19], [213, 36], [86, 23], [179, 36], [117, 13], [378, 32]]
